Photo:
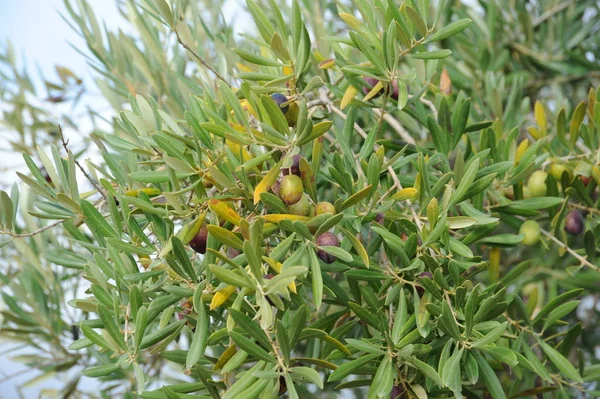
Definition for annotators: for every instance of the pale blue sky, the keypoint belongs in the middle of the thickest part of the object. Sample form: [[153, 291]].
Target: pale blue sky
[[39, 35]]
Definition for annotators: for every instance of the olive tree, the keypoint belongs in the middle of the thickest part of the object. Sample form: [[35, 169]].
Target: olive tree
[[388, 199]]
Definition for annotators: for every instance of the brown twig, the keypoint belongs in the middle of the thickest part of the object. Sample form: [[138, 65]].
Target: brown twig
[[200, 59], [65, 144], [33, 233]]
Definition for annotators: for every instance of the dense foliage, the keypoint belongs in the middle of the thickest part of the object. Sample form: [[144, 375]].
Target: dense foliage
[[393, 199]]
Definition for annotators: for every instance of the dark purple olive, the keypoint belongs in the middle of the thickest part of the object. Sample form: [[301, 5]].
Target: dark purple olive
[[295, 168], [327, 240], [281, 99], [380, 218], [574, 223], [198, 243], [397, 392]]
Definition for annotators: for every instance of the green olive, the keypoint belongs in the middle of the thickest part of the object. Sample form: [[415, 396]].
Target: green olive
[[324, 207], [291, 189], [302, 207], [531, 230], [557, 170], [537, 184]]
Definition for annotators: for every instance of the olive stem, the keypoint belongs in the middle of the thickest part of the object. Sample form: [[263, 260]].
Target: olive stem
[[580, 258]]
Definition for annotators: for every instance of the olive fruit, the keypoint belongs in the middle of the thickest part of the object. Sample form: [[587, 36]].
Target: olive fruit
[[291, 189], [290, 110], [585, 180], [557, 170], [198, 243], [295, 168], [531, 230], [327, 240], [398, 392], [574, 223], [324, 207], [537, 184], [301, 208], [281, 99], [380, 218]]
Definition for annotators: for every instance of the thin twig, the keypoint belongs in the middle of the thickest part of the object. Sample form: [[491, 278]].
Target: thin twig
[[65, 144], [551, 12], [33, 233], [206, 65], [580, 258]]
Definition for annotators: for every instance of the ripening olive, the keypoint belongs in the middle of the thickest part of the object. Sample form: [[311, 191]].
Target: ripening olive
[[327, 240], [295, 168], [585, 180], [531, 230], [537, 184], [324, 207], [574, 223], [198, 243], [301, 208], [291, 189]]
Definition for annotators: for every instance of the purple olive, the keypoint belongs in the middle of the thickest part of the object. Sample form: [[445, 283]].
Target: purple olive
[[281, 99], [574, 223], [295, 168], [198, 243], [327, 240]]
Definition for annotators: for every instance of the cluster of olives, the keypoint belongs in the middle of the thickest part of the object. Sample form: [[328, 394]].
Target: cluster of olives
[[537, 187]]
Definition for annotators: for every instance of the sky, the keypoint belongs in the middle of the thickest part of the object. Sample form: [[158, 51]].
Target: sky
[[39, 35]]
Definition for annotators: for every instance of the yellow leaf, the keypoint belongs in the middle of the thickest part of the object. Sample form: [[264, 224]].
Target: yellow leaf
[[374, 91], [523, 146], [277, 267], [266, 182], [351, 20], [221, 296], [288, 70], [405, 194], [278, 217], [534, 132], [151, 192], [326, 64], [224, 212], [348, 96], [243, 68], [540, 117]]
